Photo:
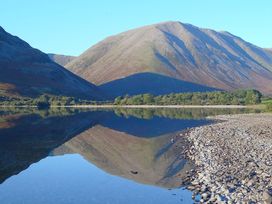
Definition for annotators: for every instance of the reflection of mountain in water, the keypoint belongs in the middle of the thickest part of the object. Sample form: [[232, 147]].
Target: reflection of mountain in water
[[147, 160], [151, 127], [26, 139], [135, 145]]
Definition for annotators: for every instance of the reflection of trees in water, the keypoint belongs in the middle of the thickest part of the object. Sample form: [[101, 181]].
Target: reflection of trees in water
[[178, 113], [56, 111], [142, 113], [8, 114]]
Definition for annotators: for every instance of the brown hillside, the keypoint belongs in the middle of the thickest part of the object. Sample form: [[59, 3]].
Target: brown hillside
[[181, 51]]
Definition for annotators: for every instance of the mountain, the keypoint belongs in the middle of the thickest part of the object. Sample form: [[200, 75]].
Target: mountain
[[61, 59], [155, 84], [181, 51], [27, 71]]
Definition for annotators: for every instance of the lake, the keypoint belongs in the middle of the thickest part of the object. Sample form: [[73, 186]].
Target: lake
[[96, 156]]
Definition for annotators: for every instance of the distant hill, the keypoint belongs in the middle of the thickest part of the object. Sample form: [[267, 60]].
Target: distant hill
[[61, 59], [181, 51], [27, 71], [155, 84]]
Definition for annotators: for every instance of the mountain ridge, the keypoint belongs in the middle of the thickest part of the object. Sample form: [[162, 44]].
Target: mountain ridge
[[27, 71], [61, 59], [182, 51]]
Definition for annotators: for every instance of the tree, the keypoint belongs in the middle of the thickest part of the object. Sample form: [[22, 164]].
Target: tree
[[253, 97], [117, 100], [148, 99], [239, 97], [43, 102]]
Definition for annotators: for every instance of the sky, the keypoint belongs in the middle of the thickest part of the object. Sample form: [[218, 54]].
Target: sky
[[72, 26]]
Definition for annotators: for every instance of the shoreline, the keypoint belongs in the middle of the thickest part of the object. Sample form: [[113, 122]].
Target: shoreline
[[156, 106], [232, 159], [137, 106]]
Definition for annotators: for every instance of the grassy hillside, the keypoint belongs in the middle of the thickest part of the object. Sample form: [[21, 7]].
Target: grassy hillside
[[181, 51]]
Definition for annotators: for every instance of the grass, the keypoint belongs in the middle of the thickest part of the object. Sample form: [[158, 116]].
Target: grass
[[267, 104], [266, 100]]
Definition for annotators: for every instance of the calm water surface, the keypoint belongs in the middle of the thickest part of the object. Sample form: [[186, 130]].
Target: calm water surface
[[95, 156]]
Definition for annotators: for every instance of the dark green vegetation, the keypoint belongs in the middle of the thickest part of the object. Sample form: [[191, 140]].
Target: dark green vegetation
[[269, 106], [44, 101], [239, 97]]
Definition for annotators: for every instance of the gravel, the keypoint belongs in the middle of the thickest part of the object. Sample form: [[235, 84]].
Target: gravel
[[233, 159]]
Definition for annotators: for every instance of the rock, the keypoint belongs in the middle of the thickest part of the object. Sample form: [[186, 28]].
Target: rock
[[190, 188], [204, 196], [232, 159], [267, 198]]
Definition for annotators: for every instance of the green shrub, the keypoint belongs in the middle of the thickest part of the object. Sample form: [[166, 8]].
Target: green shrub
[[269, 106]]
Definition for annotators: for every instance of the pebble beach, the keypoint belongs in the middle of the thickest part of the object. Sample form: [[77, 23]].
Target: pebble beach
[[233, 159]]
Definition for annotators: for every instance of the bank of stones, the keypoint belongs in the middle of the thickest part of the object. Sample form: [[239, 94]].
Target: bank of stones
[[233, 159]]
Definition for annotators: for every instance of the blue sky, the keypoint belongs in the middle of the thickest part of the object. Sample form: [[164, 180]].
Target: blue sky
[[72, 26]]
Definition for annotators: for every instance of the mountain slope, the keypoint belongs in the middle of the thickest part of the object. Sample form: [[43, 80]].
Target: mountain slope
[[269, 50], [155, 84], [61, 59], [181, 51], [29, 72]]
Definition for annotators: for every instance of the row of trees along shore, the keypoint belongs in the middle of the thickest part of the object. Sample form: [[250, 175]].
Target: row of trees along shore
[[44, 101], [239, 97]]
